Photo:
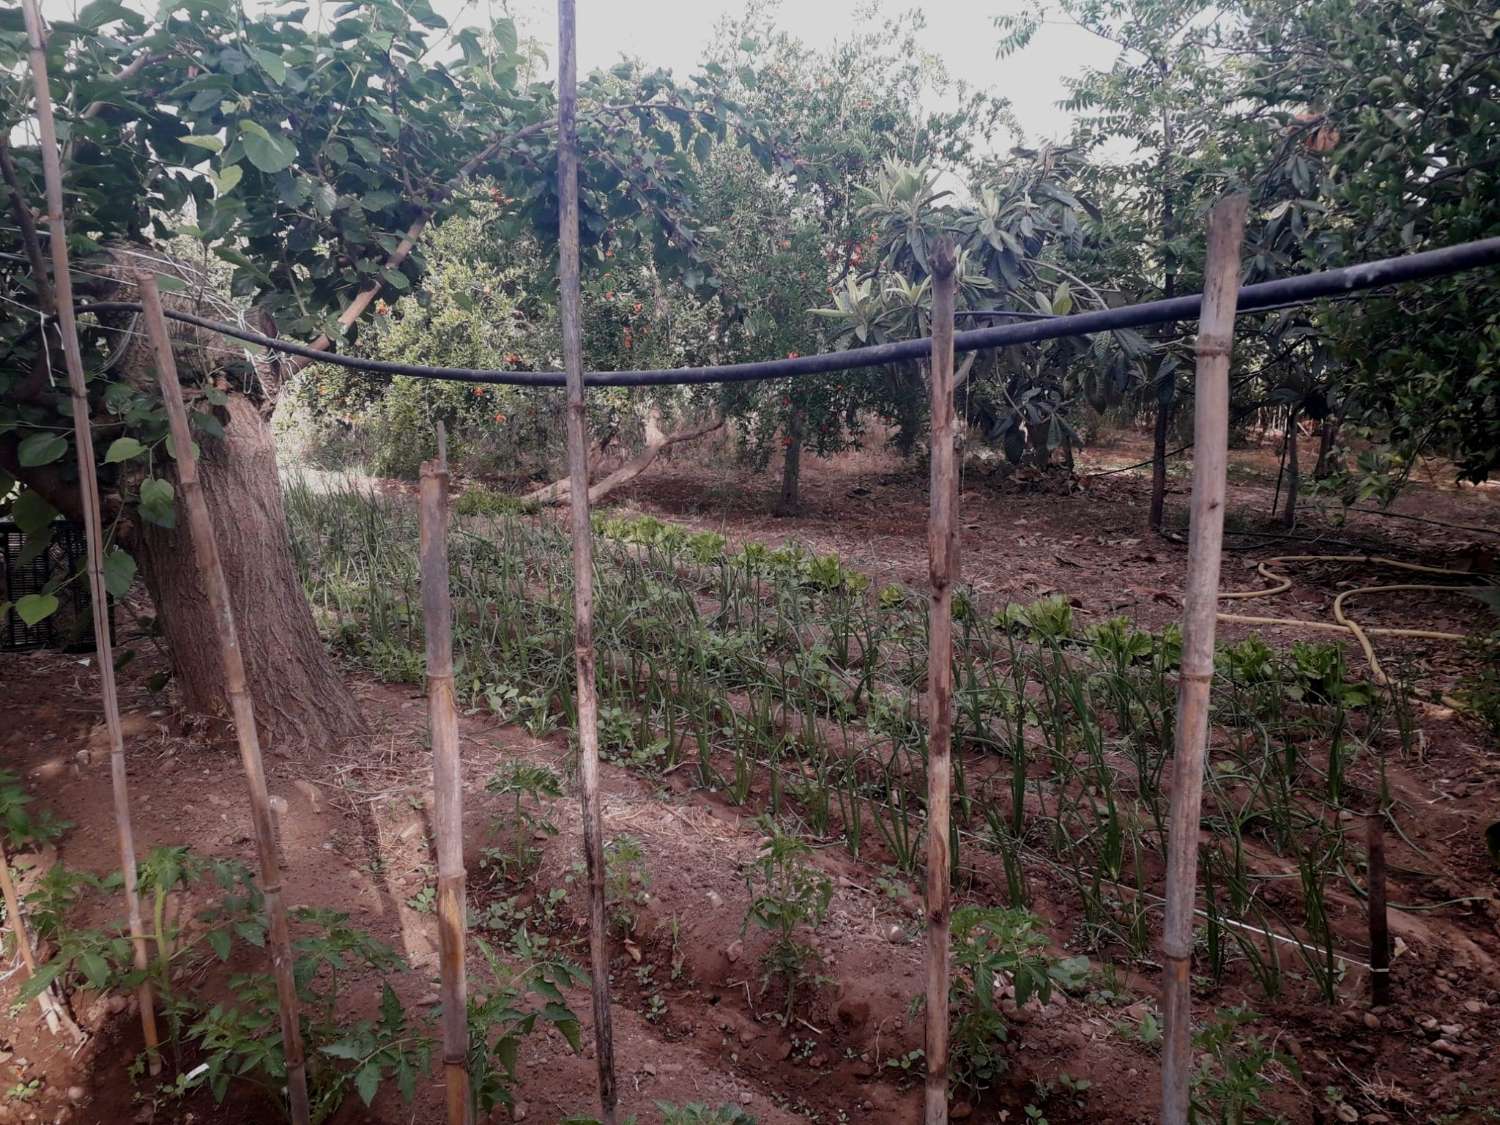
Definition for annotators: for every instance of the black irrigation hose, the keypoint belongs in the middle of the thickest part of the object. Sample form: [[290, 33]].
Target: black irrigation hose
[[1252, 298]]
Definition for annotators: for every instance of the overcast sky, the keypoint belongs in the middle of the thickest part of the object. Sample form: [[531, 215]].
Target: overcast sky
[[673, 33]]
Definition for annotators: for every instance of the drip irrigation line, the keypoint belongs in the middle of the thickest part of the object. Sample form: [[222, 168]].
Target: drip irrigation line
[[1422, 519], [1260, 297]]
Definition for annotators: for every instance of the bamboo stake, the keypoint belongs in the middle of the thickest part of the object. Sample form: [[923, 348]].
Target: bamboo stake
[[943, 564], [1226, 228], [447, 780], [88, 484], [211, 573], [52, 1011], [583, 548], [1380, 934]]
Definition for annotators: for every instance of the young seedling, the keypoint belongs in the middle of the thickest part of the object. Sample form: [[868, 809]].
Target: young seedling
[[785, 896], [528, 787]]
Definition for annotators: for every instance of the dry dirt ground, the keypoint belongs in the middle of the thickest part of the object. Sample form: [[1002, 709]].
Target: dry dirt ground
[[357, 839]]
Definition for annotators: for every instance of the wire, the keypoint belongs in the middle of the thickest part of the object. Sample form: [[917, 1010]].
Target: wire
[[1260, 297]]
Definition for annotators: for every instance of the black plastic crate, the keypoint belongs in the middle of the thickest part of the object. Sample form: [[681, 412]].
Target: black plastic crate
[[71, 627]]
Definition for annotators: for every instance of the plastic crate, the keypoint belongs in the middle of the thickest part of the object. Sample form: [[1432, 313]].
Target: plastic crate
[[71, 627]]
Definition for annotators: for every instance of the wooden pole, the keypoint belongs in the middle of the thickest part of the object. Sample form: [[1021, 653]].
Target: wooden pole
[[211, 573], [943, 564], [88, 486], [447, 781], [1380, 934], [1226, 228], [583, 548]]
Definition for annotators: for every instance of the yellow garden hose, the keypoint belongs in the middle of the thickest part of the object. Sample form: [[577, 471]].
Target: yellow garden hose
[[1342, 623]]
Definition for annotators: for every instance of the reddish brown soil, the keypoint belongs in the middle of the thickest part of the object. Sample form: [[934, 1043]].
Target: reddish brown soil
[[364, 848]]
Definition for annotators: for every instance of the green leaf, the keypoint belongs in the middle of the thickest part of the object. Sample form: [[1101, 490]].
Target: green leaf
[[392, 1015], [508, 1051], [41, 449], [271, 154], [31, 513], [156, 502], [172, 449], [123, 449], [36, 607], [221, 941], [397, 279], [571, 1032], [213, 144], [225, 181], [39, 981], [367, 1081], [270, 62], [95, 969], [119, 572], [343, 1050]]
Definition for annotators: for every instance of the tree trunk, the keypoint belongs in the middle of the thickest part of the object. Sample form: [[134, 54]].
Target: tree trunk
[[1329, 434], [789, 503], [1165, 399], [1159, 460], [298, 693], [1289, 513]]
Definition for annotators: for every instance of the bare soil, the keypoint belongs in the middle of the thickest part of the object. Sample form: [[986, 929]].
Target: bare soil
[[358, 839]]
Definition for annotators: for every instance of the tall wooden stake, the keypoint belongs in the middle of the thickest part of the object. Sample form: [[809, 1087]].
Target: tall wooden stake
[[943, 564], [1226, 228], [583, 548], [1380, 933], [447, 780], [88, 485], [211, 574]]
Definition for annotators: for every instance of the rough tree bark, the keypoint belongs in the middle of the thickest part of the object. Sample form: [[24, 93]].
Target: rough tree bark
[[789, 502], [299, 695]]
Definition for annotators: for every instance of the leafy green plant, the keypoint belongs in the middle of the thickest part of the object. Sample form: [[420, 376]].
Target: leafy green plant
[[992, 944], [527, 787], [1234, 1071], [627, 881], [503, 1013], [22, 827], [786, 894], [696, 1113]]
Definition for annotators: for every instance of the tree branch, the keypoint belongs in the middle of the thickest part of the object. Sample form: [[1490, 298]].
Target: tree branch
[[559, 491]]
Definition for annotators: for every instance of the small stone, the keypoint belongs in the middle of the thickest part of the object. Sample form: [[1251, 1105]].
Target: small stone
[[77, 1093], [784, 1051], [1443, 1047], [519, 1111], [733, 952], [746, 1097], [1452, 1030], [746, 1036], [116, 1003], [960, 1111], [715, 900], [894, 933], [1372, 1021], [1346, 1112], [1473, 1007]]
